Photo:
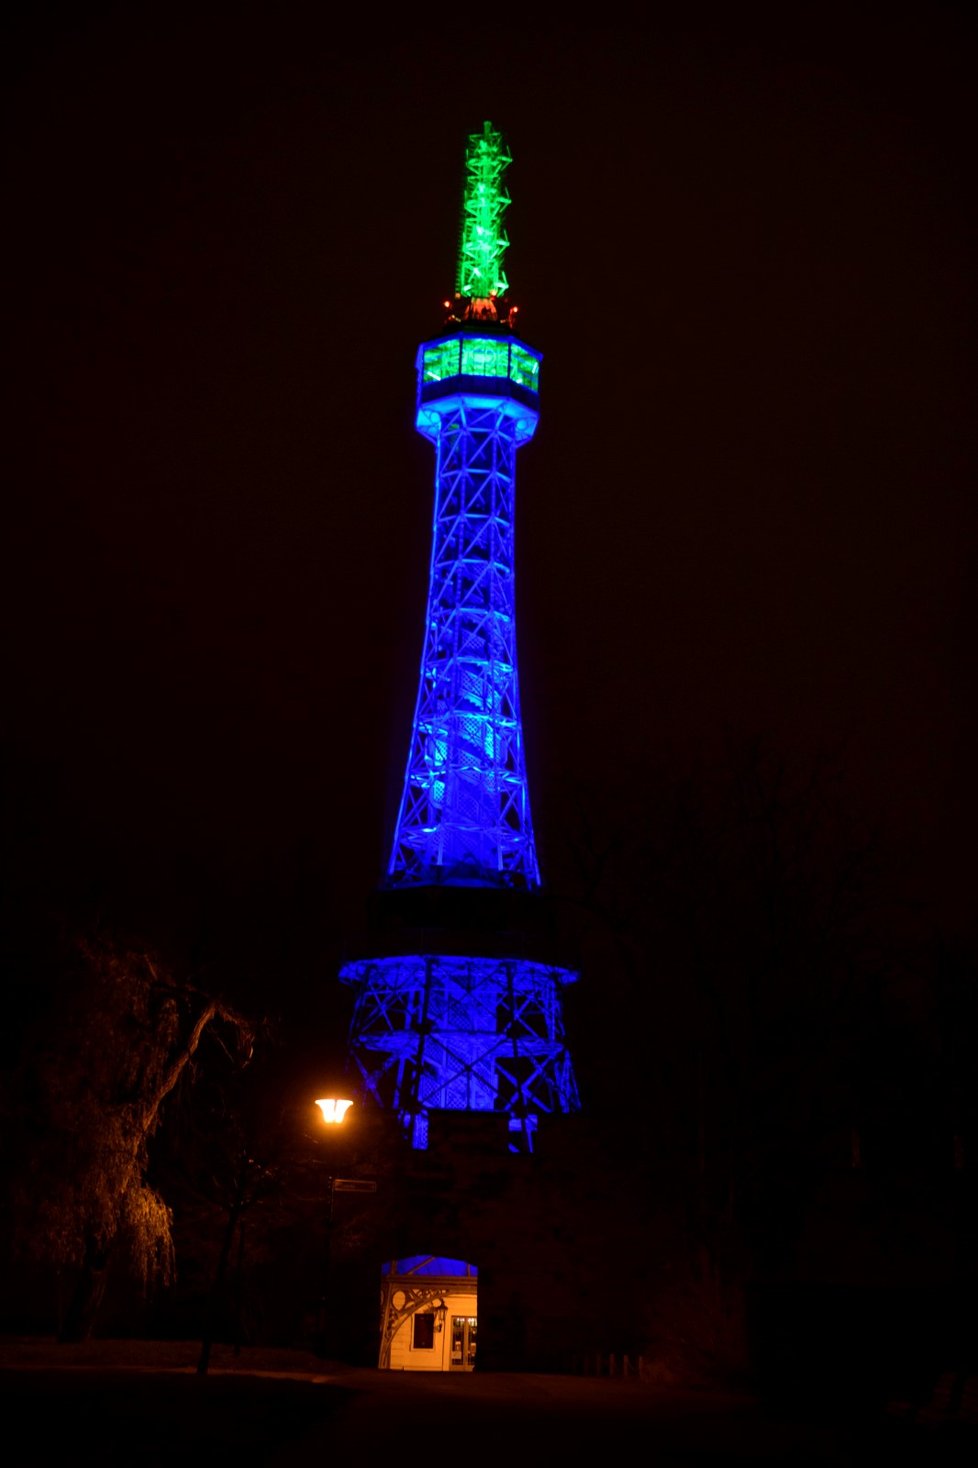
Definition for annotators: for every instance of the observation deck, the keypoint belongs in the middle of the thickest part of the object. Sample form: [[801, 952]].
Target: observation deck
[[482, 370]]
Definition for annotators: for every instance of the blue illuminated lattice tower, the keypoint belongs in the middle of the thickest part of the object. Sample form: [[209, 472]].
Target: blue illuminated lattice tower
[[459, 1005]]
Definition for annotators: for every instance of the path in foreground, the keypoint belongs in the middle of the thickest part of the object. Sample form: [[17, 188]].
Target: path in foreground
[[153, 1417]]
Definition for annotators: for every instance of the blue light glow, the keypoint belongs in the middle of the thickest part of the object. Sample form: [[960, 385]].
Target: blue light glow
[[465, 809], [441, 1032], [425, 1266], [456, 1031]]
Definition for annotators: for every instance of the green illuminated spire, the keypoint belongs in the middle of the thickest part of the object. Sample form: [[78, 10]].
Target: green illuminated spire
[[483, 241]]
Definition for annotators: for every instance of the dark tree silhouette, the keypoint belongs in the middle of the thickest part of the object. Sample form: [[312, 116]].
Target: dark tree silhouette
[[82, 1106]]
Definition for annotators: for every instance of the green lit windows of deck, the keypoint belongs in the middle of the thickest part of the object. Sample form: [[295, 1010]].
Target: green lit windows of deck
[[441, 361], [485, 357], [478, 356], [524, 368]]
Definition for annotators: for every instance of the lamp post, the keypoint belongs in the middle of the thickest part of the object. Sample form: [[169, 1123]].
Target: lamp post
[[332, 1112]]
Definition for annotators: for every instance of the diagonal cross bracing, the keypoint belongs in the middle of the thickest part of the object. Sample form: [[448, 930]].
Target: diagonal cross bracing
[[465, 805], [463, 1033], [442, 1027]]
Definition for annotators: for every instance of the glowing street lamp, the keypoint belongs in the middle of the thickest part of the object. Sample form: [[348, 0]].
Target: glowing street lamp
[[333, 1110]]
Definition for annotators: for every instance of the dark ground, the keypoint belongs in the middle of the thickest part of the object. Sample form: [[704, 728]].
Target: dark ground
[[136, 1401]]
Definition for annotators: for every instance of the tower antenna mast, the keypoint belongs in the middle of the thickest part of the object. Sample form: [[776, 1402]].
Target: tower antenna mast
[[480, 282]]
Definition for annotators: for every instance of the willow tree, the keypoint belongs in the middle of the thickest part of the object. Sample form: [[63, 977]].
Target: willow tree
[[87, 1099]]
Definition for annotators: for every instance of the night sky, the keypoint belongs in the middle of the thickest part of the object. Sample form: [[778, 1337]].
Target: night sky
[[743, 239]]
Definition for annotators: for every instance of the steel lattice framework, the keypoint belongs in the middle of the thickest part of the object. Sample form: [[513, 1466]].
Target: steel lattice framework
[[465, 811], [483, 241], [439, 1026], [462, 1033]]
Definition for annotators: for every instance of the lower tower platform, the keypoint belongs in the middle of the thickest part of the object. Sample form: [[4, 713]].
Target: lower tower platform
[[458, 1007]]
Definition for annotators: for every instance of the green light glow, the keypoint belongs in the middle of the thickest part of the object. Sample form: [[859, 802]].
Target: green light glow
[[524, 368], [480, 356], [440, 361], [483, 241], [485, 357]]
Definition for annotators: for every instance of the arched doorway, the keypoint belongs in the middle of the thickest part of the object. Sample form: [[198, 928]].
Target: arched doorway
[[429, 1314]]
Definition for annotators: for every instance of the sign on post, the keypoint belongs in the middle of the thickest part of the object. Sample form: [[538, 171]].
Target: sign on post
[[354, 1185]]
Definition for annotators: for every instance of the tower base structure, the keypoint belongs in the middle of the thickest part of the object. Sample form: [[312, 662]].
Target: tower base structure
[[519, 1262]]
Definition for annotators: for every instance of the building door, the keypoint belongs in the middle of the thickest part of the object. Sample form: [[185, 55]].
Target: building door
[[464, 1328]]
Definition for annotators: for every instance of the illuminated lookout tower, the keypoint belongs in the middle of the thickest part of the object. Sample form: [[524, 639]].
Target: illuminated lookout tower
[[459, 1008]]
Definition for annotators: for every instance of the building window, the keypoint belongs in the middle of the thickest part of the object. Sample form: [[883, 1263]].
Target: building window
[[482, 357], [524, 368], [424, 1332], [440, 361]]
